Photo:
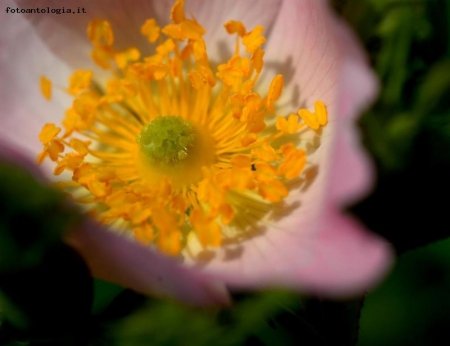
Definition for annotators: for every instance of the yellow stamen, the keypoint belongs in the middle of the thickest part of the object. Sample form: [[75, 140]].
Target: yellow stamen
[[100, 33], [274, 92], [174, 152], [127, 56], [79, 81], [150, 30], [46, 87], [254, 39], [177, 14], [235, 27], [48, 132], [316, 119]]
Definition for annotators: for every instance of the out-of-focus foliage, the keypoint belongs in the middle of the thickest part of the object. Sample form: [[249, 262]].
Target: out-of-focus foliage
[[46, 290], [265, 318], [408, 134], [32, 218], [412, 307], [408, 129], [171, 324]]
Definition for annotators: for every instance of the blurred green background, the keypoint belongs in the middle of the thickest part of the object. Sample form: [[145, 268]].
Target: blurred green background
[[408, 135]]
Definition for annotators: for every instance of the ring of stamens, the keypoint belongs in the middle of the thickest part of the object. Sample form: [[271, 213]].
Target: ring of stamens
[[173, 152]]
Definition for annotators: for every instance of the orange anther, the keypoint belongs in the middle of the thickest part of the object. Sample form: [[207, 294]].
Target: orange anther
[[79, 81], [150, 29], [123, 58], [235, 27], [177, 13], [275, 89], [241, 161], [253, 40], [100, 33], [48, 132], [46, 87], [321, 112], [309, 118]]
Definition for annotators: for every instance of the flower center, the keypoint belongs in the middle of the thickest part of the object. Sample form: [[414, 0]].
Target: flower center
[[167, 139], [182, 157]]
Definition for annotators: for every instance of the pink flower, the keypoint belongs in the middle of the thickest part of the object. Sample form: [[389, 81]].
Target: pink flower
[[309, 243]]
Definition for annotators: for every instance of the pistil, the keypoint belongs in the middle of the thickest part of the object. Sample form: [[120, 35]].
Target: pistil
[[166, 140]]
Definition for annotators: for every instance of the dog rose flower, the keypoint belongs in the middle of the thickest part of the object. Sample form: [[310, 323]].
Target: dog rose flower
[[219, 133]]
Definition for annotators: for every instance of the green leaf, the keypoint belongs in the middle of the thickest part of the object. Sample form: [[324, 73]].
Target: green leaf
[[265, 318], [408, 129], [45, 286], [411, 306]]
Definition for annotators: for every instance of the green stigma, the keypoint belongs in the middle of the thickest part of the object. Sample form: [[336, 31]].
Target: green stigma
[[166, 139]]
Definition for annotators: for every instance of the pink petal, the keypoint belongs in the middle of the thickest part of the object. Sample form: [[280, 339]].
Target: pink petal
[[348, 259], [11, 155], [314, 247], [127, 17], [325, 64], [213, 14], [352, 172], [23, 59], [65, 34], [116, 259], [341, 260]]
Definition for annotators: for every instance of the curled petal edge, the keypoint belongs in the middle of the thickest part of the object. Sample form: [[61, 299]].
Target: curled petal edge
[[144, 270]]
